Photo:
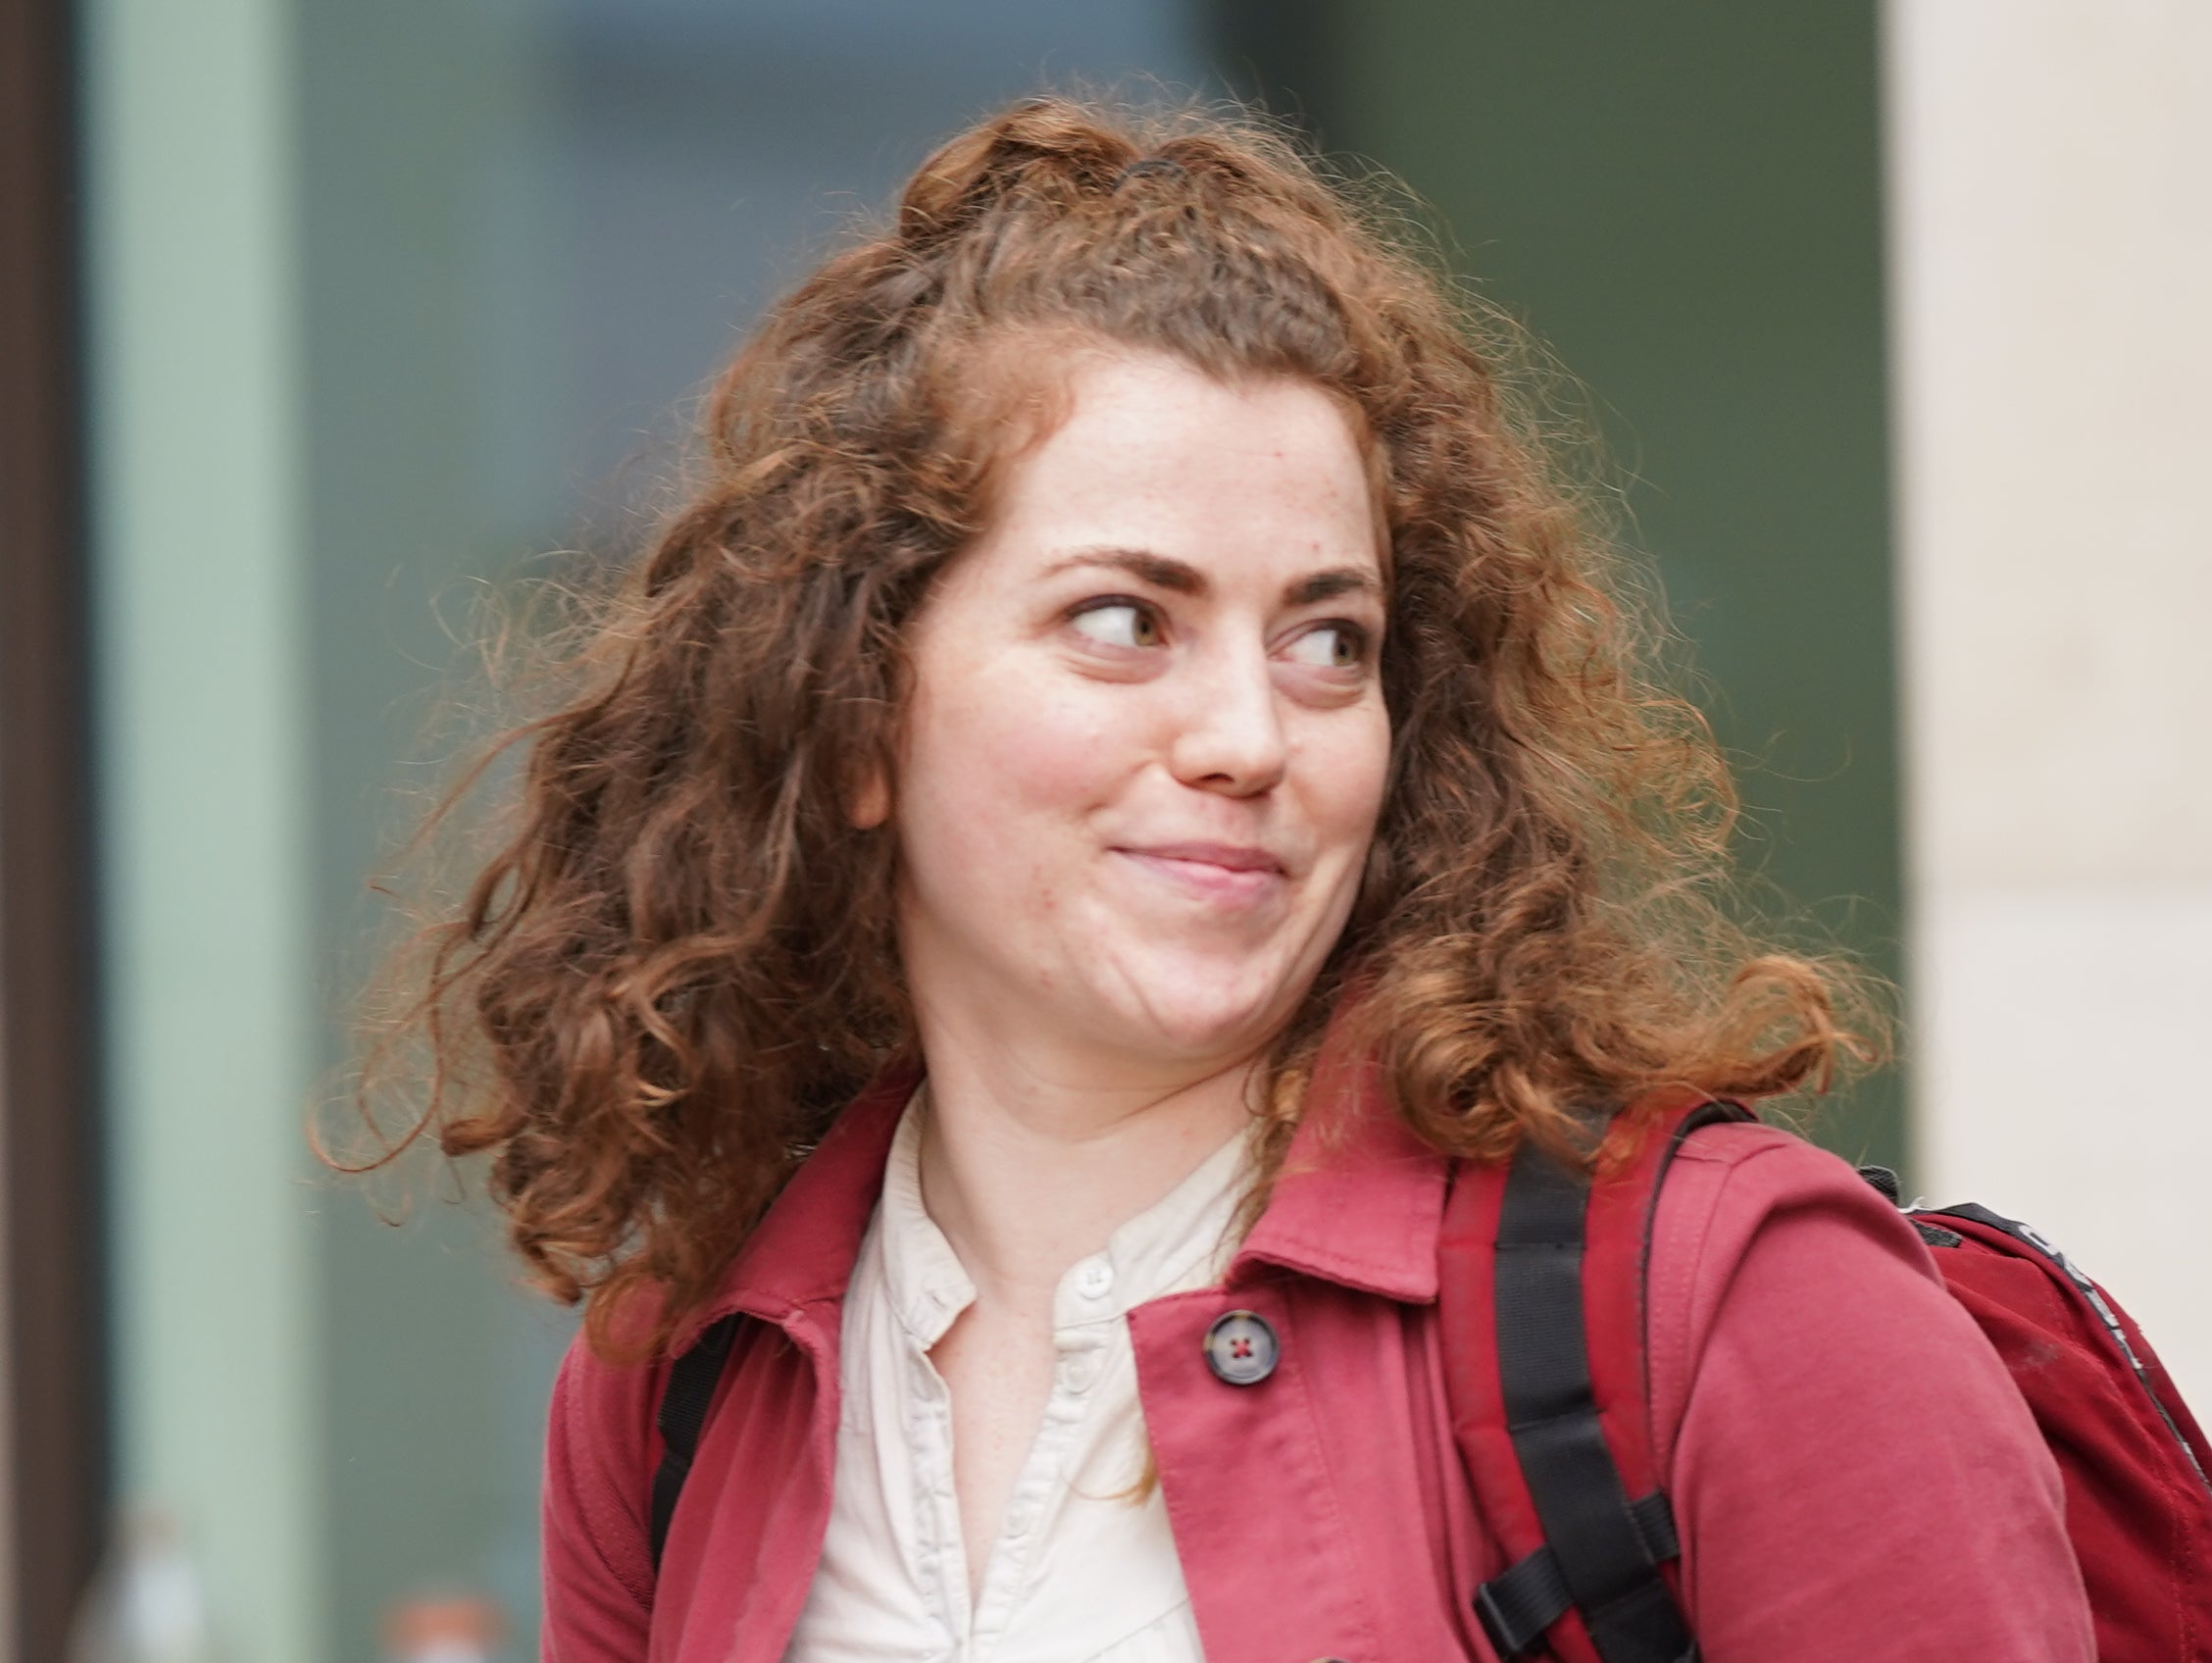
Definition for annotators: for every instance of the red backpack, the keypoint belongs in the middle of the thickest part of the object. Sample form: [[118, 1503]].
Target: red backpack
[[1548, 1410]]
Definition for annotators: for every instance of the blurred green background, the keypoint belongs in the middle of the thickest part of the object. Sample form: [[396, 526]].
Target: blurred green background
[[388, 299]]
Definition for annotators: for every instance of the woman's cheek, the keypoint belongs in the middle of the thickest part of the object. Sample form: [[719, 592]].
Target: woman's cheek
[[1346, 768], [1056, 749]]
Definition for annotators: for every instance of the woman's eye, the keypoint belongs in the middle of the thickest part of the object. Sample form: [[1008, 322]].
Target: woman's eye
[[1329, 646], [1118, 624]]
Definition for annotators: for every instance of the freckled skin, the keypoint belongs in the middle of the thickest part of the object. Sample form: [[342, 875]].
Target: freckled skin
[[1138, 781]]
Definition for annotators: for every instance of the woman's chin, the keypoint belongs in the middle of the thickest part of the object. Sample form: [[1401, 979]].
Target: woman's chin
[[1206, 1012]]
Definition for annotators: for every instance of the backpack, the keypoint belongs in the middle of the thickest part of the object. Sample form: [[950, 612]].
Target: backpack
[[1543, 1345], [1542, 1332]]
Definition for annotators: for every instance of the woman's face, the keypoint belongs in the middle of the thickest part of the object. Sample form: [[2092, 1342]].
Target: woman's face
[[1146, 743]]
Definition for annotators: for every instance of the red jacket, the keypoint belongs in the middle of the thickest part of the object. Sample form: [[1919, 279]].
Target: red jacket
[[1853, 1473]]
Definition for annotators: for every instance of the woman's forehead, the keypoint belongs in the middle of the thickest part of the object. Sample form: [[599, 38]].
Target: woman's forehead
[[1152, 456], [1100, 444]]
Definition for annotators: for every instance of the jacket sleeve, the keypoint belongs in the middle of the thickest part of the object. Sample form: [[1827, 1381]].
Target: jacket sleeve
[[596, 1561], [1854, 1474]]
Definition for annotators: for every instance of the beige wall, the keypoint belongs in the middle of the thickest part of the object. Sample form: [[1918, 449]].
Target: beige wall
[[2050, 183]]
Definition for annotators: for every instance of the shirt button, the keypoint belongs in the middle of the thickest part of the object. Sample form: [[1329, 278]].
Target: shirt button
[[1241, 1348], [1080, 1371], [1095, 1279]]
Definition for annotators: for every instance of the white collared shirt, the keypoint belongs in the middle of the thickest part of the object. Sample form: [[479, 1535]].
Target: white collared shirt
[[1085, 1567]]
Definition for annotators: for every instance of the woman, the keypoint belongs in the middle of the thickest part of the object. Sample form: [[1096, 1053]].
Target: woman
[[1125, 702]]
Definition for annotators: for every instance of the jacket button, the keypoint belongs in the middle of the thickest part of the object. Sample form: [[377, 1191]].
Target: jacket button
[[1240, 1348]]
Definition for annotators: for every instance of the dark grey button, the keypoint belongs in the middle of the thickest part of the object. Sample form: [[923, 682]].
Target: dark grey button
[[1241, 1348]]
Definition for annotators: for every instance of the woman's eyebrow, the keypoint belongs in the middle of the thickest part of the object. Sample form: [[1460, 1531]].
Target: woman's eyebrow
[[1161, 571], [1336, 580], [1180, 576]]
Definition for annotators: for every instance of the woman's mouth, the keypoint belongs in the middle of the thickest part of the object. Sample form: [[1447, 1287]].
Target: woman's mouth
[[1229, 873]]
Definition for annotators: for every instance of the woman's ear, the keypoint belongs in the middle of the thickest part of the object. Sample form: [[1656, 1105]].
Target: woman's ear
[[868, 800]]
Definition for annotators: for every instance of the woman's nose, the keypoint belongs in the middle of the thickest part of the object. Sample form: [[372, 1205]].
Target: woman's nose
[[1231, 735]]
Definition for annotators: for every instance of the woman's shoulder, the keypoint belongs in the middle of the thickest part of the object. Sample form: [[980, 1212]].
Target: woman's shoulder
[[602, 1447], [599, 1443], [1758, 1234], [1728, 1181], [607, 1389], [1759, 1157], [1820, 1398], [600, 1432]]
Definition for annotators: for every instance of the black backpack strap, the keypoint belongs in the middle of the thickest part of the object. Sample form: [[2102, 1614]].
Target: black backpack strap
[[690, 1389], [1603, 1551]]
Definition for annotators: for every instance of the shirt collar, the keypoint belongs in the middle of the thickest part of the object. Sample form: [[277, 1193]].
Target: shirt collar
[[1181, 1240], [927, 1285], [1360, 1199]]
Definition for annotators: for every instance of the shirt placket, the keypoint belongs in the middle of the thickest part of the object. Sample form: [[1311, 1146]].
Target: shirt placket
[[1076, 1371], [936, 1521]]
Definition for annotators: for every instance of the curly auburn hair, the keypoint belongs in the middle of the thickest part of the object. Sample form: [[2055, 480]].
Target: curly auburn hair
[[680, 963]]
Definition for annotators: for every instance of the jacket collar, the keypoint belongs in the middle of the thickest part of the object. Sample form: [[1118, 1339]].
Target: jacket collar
[[1360, 1199], [804, 1249]]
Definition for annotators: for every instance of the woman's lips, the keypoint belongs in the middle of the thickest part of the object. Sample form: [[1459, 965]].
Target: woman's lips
[[1219, 872]]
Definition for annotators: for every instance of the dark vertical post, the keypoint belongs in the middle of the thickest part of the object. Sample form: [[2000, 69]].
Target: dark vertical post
[[1285, 56], [56, 1433]]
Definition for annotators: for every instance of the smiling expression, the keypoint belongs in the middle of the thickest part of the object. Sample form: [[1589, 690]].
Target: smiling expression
[[1146, 742]]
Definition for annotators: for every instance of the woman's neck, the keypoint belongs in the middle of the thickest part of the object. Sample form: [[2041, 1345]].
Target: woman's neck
[[1030, 1163]]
